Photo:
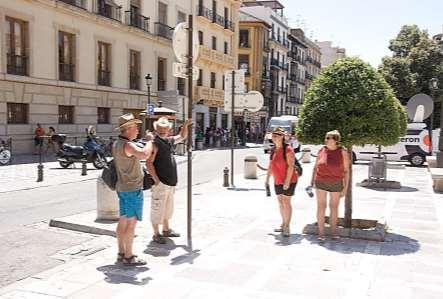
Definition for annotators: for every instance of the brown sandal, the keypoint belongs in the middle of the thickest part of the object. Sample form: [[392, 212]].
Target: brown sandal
[[133, 261]]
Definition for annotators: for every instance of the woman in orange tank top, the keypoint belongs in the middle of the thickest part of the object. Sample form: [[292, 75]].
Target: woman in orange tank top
[[330, 175]]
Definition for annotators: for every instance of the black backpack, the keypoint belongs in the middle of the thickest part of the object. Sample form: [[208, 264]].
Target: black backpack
[[109, 174], [297, 164]]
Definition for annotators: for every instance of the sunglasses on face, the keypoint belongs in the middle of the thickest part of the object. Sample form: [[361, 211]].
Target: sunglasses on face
[[329, 138]]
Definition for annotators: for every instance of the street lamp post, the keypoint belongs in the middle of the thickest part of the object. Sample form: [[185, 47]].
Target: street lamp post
[[433, 84], [148, 84]]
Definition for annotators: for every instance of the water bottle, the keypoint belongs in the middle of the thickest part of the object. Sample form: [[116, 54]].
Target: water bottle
[[268, 191], [309, 191]]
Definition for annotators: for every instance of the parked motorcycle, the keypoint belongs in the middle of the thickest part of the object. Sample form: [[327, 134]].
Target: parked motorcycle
[[91, 151], [5, 153]]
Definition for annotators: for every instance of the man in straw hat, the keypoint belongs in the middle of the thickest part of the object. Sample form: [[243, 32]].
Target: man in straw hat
[[129, 187], [162, 166]]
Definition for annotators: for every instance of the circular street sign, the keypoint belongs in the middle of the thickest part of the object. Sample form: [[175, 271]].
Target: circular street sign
[[5, 156], [180, 43], [423, 100]]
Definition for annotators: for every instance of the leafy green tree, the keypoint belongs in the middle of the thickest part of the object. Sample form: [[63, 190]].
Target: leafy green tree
[[352, 97]]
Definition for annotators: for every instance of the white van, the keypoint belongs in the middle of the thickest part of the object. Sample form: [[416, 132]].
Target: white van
[[288, 123], [414, 147]]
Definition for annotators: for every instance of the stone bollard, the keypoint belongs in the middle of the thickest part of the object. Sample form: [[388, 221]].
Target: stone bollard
[[250, 167], [226, 177], [107, 202], [84, 168], [306, 155]]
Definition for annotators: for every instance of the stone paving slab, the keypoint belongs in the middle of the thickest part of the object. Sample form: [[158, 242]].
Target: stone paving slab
[[235, 254]]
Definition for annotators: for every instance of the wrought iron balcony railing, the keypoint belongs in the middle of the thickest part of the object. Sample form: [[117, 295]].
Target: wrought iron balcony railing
[[17, 64], [66, 72], [163, 30], [137, 20]]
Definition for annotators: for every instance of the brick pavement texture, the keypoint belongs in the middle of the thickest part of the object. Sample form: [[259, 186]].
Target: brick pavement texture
[[235, 254]]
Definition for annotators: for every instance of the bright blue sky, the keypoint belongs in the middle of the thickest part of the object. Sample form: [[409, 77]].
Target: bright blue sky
[[364, 27]]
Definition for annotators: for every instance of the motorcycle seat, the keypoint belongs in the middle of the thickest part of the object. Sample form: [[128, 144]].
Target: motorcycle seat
[[73, 148]]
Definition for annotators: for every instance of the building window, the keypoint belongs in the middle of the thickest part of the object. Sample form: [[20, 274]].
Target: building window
[[244, 38], [65, 114], [224, 121], [243, 62], [161, 74], [200, 37], [162, 13], [66, 56], [181, 86], [200, 78], [16, 46], [181, 17], [213, 80], [134, 69], [214, 43], [104, 64], [17, 113], [226, 48], [200, 121], [223, 82], [103, 115], [213, 117]]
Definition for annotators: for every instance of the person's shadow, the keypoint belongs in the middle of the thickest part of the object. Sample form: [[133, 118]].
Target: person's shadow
[[280, 240], [119, 273], [158, 250]]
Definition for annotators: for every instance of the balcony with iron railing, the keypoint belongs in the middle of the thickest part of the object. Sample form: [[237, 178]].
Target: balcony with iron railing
[[229, 25], [292, 77], [275, 63], [294, 100], [215, 18], [66, 72], [76, 3], [309, 76], [17, 64], [301, 80], [104, 77], [300, 59], [111, 11], [163, 30], [204, 12], [137, 20]]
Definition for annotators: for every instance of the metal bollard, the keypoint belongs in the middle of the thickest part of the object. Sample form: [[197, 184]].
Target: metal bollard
[[250, 167], [40, 172], [84, 168], [226, 177]]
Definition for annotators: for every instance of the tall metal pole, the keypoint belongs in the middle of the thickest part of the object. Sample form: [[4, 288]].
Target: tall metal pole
[[190, 81], [232, 128], [149, 105]]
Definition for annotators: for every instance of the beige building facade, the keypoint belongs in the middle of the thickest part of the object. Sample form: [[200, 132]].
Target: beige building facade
[[74, 63], [329, 53]]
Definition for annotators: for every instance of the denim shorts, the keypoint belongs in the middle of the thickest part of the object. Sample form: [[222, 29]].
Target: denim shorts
[[131, 204]]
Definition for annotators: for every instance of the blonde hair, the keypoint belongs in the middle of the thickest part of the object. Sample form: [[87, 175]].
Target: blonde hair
[[335, 135]]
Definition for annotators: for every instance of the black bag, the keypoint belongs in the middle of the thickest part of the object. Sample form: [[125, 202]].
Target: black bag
[[109, 175], [148, 181], [297, 164]]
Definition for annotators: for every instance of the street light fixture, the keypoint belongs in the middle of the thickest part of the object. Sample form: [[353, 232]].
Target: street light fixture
[[148, 84]]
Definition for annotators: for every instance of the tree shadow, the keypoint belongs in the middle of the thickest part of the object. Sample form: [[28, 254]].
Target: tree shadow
[[119, 273], [162, 250], [404, 189], [287, 241], [394, 245]]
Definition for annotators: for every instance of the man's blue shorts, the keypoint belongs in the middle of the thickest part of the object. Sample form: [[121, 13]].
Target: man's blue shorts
[[131, 204]]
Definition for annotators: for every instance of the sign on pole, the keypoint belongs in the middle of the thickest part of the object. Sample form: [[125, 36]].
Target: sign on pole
[[150, 109], [239, 82], [180, 70], [180, 43], [252, 101]]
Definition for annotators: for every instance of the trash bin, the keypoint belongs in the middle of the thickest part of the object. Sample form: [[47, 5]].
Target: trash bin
[[199, 144], [250, 167], [180, 149], [306, 155], [377, 168], [107, 202]]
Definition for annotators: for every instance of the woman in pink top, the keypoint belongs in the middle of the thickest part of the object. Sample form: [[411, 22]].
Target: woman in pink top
[[330, 175]]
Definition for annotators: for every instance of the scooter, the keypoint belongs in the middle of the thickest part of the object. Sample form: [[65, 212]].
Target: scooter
[[91, 151], [5, 153]]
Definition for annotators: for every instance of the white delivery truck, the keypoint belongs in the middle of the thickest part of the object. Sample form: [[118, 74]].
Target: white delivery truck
[[414, 147], [288, 123]]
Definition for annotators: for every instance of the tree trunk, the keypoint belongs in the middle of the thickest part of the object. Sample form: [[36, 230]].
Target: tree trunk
[[348, 196]]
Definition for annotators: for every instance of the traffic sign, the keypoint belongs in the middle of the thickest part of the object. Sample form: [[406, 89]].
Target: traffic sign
[[180, 70], [150, 109], [252, 101], [180, 43]]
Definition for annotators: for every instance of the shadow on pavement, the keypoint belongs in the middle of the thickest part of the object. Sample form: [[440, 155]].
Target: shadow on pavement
[[158, 250], [394, 245], [402, 189], [287, 241], [117, 274]]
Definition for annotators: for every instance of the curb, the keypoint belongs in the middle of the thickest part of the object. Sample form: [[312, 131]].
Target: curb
[[81, 228]]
